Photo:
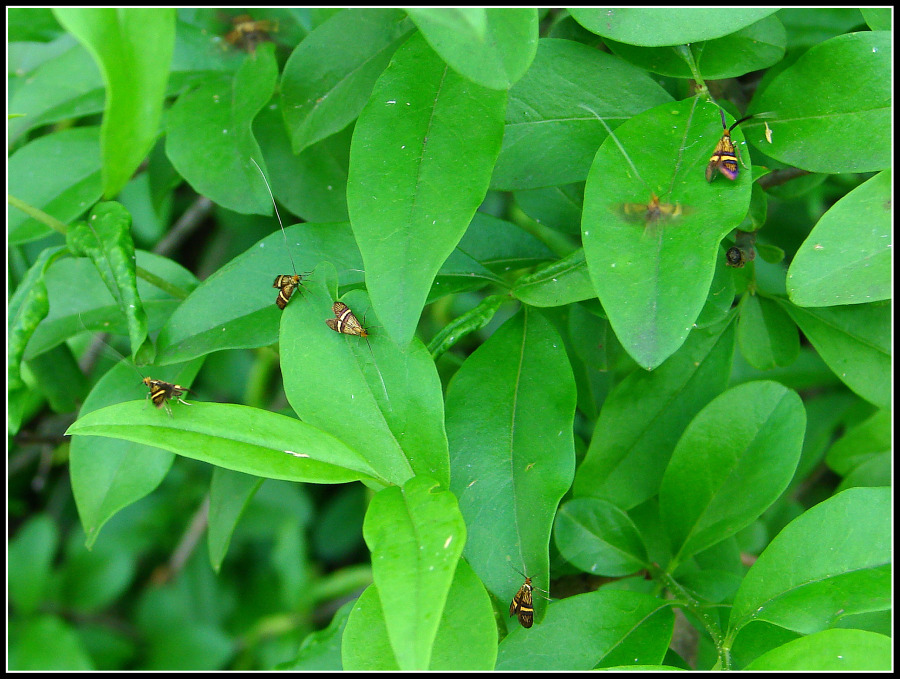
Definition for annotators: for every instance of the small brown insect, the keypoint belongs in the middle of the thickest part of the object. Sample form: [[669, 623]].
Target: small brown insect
[[523, 603], [286, 285], [247, 33], [345, 322], [652, 211], [161, 392], [725, 156]]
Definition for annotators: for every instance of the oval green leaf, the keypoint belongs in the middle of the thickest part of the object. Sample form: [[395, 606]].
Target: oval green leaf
[[412, 190], [846, 259], [732, 462], [665, 263]]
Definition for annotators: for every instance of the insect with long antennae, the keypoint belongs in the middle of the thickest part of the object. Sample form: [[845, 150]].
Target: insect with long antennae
[[286, 283], [725, 156], [345, 322], [523, 603], [161, 392]]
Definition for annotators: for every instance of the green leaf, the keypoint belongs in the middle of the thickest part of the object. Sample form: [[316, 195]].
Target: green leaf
[[382, 399], [653, 277], [321, 650], [329, 77], [106, 238], [833, 650], [46, 643], [34, 177], [229, 494], [510, 409], [232, 436], [411, 191], [501, 245], [65, 86], [548, 110], [671, 26], [465, 324], [752, 48], [416, 535], [833, 107], [235, 307], [863, 442], [599, 538], [766, 334], [644, 416], [558, 207], [844, 545], [855, 342], [312, 185], [558, 283], [614, 628], [80, 301], [846, 259], [467, 622], [210, 138], [492, 47], [732, 462], [133, 49], [30, 562], [28, 306]]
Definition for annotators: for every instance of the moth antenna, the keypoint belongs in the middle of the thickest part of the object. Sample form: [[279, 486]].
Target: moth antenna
[[272, 196], [98, 342]]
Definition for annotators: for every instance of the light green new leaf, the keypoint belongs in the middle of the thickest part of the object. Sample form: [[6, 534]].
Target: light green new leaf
[[210, 139], [653, 275], [416, 535], [381, 399], [34, 178], [844, 545], [832, 107], [133, 49], [236, 437], [467, 622], [666, 26], [734, 460], [855, 342], [510, 409], [831, 650], [108, 474], [413, 184], [492, 47], [329, 77], [846, 259]]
